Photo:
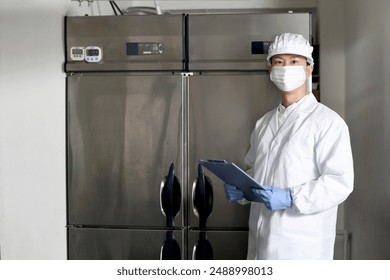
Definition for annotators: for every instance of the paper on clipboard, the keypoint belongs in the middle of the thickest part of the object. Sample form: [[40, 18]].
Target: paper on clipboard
[[233, 175]]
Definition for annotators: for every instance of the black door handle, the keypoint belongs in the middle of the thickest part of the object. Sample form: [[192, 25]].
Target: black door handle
[[170, 196], [203, 249], [202, 197], [170, 250]]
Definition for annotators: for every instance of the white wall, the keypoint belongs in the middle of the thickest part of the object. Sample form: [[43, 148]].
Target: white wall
[[367, 45], [32, 134], [355, 81]]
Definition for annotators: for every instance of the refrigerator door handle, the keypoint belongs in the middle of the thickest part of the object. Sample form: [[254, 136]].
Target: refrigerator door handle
[[202, 197], [170, 196], [202, 249], [170, 250]]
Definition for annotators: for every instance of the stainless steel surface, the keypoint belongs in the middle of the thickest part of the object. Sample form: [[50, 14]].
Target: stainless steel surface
[[118, 244], [126, 127], [223, 42], [184, 144], [225, 244], [222, 114], [196, 213], [124, 132], [112, 33]]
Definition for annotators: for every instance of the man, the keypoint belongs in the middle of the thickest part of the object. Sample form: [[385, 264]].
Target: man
[[300, 153]]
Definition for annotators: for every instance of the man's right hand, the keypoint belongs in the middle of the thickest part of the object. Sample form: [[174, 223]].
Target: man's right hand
[[232, 192]]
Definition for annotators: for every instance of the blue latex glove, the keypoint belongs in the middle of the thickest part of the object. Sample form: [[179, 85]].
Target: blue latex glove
[[232, 192], [274, 198]]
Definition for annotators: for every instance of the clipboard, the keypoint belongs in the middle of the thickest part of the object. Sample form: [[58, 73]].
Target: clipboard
[[233, 175]]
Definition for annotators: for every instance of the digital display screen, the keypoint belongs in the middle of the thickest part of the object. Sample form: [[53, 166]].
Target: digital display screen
[[77, 51], [92, 52], [260, 47], [144, 48]]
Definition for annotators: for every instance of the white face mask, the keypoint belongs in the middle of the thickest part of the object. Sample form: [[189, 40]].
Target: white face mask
[[288, 78]]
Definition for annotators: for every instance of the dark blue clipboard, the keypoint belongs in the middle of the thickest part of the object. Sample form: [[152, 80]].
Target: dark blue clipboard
[[233, 175]]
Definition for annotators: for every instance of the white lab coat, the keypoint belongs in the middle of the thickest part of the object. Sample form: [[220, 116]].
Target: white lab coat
[[311, 155]]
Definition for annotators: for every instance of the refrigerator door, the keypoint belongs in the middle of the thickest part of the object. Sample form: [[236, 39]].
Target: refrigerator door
[[128, 43], [124, 134], [124, 244], [223, 110], [217, 245], [237, 41]]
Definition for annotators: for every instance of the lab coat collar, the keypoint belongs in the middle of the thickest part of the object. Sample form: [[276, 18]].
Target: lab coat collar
[[304, 107]]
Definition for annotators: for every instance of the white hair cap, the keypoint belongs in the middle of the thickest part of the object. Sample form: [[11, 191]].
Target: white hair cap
[[289, 43]]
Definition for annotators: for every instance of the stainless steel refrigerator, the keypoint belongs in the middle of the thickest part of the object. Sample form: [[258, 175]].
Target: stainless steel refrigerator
[[147, 97]]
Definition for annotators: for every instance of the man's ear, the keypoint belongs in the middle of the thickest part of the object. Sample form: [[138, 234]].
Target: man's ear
[[309, 71]]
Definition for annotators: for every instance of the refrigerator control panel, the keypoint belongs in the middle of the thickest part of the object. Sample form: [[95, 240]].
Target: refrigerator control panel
[[260, 47], [93, 54], [144, 48]]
